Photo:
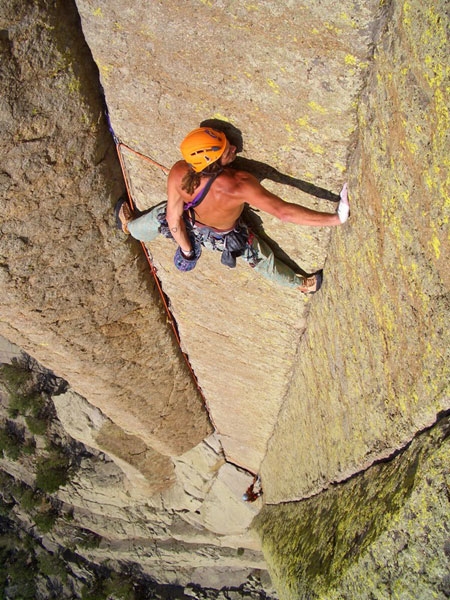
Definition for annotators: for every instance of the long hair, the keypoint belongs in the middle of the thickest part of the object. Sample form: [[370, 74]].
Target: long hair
[[192, 180]]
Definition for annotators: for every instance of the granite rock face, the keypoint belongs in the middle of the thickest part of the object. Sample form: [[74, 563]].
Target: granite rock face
[[186, 527], [373, 366], [169, 66], [321, 93], [382, 534], [73, 295]]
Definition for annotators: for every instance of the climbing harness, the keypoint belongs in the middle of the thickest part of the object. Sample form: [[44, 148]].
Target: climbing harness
[[231, 244], [202, 194]]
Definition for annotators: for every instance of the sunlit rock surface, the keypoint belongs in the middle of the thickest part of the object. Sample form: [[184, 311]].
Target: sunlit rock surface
[[314, 107], [373, 367], [292, 92]]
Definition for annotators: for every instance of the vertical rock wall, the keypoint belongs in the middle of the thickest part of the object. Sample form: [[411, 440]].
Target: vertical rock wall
[[79, 299], [287, 75], [374, 364], [73, 294], [383, 534], [372, 367]]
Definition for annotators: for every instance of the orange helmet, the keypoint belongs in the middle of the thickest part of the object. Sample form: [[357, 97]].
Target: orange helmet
[[202, 147]]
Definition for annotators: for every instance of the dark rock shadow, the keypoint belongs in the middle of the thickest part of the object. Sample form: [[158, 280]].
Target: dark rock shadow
[[262, 170], [252, 218]]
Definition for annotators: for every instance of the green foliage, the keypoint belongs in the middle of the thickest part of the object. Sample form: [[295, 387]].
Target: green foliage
[[88, 539], [45, 520], [52, 471], [30, 499], [16, 572], [119, 587], [93, 592], [26, 567], [51, 565], [5, 507], [24, 399], [14, 377], [116, 587], [10, 486], [13, 443], [28, 447], [36, 425], [10, 443], [23, 562], [29, 404], [39, 508]]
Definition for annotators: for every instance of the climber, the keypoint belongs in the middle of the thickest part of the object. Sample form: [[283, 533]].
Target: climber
[[206, 199]]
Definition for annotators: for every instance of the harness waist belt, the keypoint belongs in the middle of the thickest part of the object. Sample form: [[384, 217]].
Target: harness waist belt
[[202, 226]]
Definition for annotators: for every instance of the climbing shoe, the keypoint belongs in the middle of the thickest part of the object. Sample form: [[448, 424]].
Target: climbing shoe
[[123, 213], [311, 283]]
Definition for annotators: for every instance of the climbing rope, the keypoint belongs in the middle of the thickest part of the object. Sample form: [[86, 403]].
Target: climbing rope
[[251, 494], [170, 318]]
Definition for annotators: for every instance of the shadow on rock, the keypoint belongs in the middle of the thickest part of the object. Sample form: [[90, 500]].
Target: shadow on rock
[[262, 170]]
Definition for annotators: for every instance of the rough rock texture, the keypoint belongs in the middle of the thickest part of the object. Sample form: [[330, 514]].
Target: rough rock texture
[[205, 492], [383, 534], [73, 295], [373, 367], [147, 471], [292, 93], [64, 300], [195, 532]]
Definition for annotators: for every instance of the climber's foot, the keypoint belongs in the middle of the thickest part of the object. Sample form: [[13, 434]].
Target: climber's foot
[[123, 214], [311, 284]]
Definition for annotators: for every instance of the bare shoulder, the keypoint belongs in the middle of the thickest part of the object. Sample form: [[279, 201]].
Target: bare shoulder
[[176, 174], [241, 177], [178, 170], [235, 182], [246, 187]]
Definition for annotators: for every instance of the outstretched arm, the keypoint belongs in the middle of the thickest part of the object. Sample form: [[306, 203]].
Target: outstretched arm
[[259, 197]]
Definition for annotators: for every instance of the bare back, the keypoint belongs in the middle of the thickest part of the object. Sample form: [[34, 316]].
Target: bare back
[[224, 202], [226, 199]]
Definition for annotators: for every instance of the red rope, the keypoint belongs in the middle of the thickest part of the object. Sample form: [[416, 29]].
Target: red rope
[[164, 169]]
